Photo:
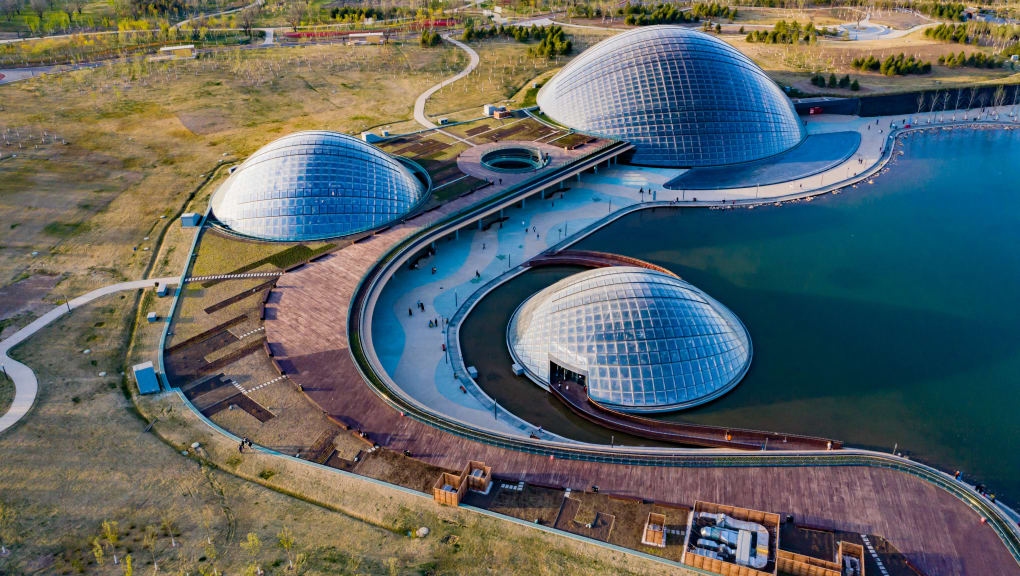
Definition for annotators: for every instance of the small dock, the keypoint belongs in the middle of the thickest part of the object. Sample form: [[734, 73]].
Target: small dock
[[576, 398]]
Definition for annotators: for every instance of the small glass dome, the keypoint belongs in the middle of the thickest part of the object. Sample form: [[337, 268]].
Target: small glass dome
[[640, 339], [682, 97], [314, 185]]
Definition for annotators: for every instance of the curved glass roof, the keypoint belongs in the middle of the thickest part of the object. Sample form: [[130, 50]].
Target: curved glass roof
[[682, 97], [646, 341], [315, 184]]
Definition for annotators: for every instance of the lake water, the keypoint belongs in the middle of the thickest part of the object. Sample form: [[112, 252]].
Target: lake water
[[885, 315]]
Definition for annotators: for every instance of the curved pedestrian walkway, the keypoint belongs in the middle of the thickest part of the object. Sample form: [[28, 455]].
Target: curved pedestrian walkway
[[26, 386], [419, 104]]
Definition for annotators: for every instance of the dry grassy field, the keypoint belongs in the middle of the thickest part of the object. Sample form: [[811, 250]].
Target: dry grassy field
[[102, 154], [794, 65], [504, 69], [83, 457]]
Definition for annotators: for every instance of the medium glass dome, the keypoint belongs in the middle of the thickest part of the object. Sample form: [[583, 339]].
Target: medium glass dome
[[682, 97], [313, 185], [642, 340]]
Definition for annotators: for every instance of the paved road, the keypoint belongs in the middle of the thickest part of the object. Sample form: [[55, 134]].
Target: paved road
[[26, 387], [231, 11], [419, 104]]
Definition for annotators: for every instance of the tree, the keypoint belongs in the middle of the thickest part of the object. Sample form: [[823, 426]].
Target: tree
[[97, 551], [286, 541], [39, 7], [832, 81], [129, 570], [294, 13], [718, 28], [247, 20], [168, 521], [855, 86], [111, 537], [7, 535], [149, 542], [252, 546]]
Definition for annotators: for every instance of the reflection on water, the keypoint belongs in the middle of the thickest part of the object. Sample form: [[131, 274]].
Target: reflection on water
[[887, 315]]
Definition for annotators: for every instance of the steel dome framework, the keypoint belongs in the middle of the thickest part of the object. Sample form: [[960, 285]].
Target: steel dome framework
[[644, 340], [314, 185], [682, 97]]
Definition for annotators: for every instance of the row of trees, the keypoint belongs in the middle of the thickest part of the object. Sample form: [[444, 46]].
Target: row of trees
[[106, 547], [945, 11], [552, 41], [898, 65], [552, 44], [640, 15], [1003, 38], [788, 33], [844, 82], [975, 60]]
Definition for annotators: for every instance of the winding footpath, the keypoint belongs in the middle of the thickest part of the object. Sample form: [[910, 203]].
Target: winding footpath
[[419, 104], [26, 386]]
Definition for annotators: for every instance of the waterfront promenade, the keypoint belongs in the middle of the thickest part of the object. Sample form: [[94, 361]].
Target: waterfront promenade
[[936, 531]]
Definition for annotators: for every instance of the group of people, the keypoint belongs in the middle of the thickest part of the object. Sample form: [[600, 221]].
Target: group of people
[[244, 442]]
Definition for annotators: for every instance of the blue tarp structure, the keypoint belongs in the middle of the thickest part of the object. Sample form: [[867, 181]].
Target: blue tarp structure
[[145, 377]]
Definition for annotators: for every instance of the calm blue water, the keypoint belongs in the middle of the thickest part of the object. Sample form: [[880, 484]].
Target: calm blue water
[[886, 315]]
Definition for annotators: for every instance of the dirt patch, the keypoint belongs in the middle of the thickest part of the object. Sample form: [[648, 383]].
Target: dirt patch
[[533, 503], [206, 121], [387, 465], [26, 295]]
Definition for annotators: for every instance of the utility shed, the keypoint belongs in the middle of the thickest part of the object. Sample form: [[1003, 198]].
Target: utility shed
[[145, 377], [190, 219]]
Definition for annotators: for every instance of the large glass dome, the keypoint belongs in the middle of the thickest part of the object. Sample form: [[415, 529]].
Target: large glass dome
[[313, 185], [643, 340], [682, 97]]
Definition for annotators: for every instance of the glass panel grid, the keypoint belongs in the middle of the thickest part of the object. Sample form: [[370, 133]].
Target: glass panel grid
[[644, 339], [315, 184], [682, 97]]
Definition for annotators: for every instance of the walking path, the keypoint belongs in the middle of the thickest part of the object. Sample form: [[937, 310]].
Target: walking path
[[26, 386], [419, 104], [231, 11], [415, 355]]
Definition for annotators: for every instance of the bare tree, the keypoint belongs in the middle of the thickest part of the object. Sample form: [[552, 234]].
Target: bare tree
[[294, 14], [39, 7], [149, 542], [247, 20], [10, 8], [1000, 96]]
